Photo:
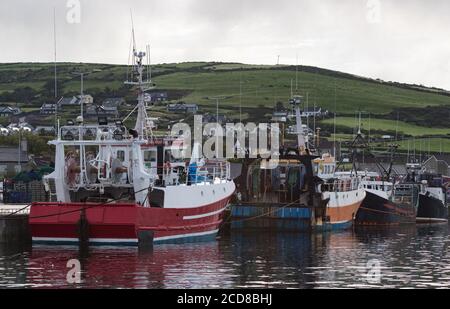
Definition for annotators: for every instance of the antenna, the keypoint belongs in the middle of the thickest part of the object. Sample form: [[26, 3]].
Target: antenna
[[132, 32], [133, 39], [307, 110], [296, 76], [292, 89], [240, 97], [54, 45], [407, 159], [359, 123], [149, 62], [335, 112], [129, 57], [314, 123], [55, 70]]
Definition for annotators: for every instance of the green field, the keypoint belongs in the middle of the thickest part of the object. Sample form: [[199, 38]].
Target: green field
[[433, 145], [261, 85], [10, 87], [387, 125], [266, 87]]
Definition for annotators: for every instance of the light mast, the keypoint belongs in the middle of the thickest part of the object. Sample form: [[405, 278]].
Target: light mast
[[302, 141]]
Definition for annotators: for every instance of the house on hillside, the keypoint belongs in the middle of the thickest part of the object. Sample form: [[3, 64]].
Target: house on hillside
[[44, 130], [20, 127], [210, 118], [3, 131], [280, 116], [438, 164], [69, 101], [114, 102], [156, 97], [182, 107], [86, 99], [12, 160], [48, 109], [8, 111], [101, 110]]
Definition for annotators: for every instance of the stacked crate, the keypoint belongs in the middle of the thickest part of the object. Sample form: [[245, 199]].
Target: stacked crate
[[23, 193], [20, 193]]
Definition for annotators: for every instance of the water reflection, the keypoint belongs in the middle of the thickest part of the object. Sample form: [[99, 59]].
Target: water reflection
[[407, 257]]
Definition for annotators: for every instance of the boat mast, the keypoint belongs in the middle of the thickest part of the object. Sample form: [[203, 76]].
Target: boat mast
[[142, 85], [55, 71], [296, 101]]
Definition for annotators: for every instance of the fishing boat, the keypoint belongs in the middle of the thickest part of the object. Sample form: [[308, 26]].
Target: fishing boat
[[433, 207], [118, 186], [387, 203], [343, 195], [298, 192]]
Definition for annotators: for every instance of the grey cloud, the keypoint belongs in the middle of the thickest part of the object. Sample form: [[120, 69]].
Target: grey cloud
[[408, 44]]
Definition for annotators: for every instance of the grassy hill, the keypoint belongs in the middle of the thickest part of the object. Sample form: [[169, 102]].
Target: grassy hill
[[261, 85], [402, 128]]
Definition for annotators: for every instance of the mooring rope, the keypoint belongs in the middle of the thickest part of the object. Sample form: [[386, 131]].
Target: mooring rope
[[384, 212], [15, 212], [67, 212]]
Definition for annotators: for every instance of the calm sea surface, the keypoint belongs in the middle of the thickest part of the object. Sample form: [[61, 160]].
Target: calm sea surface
[[393, 258]]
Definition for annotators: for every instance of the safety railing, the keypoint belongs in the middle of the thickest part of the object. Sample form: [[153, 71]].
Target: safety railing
[[190, 174]]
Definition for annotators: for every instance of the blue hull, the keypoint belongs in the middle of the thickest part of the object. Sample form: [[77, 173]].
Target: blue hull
[[279, 218]]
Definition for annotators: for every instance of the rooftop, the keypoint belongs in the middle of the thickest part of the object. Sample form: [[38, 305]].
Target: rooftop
[[11, 155]]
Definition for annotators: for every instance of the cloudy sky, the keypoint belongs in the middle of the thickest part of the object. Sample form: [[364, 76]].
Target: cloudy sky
[[400, 40]]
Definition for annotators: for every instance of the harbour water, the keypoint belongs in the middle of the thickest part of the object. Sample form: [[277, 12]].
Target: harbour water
[[408, 257]]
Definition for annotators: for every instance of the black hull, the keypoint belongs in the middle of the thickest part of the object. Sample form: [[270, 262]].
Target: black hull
[[376, 210], [431, 210]]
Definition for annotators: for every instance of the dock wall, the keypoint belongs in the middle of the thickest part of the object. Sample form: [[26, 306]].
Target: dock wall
[[14, 229]]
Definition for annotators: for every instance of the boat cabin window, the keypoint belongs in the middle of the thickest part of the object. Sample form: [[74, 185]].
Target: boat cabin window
[[156, 198], [121, 155], [150, 158]]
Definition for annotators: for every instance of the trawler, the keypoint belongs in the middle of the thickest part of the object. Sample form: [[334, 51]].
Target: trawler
[[433, 207], [301, 191], [342, 193], [119, 186], [387, 203]]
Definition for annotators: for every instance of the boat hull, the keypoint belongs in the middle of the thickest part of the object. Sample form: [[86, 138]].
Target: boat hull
[[123, 224], [376, 210], [271, 217], [339, 218], [431, 210], [341, 210]]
